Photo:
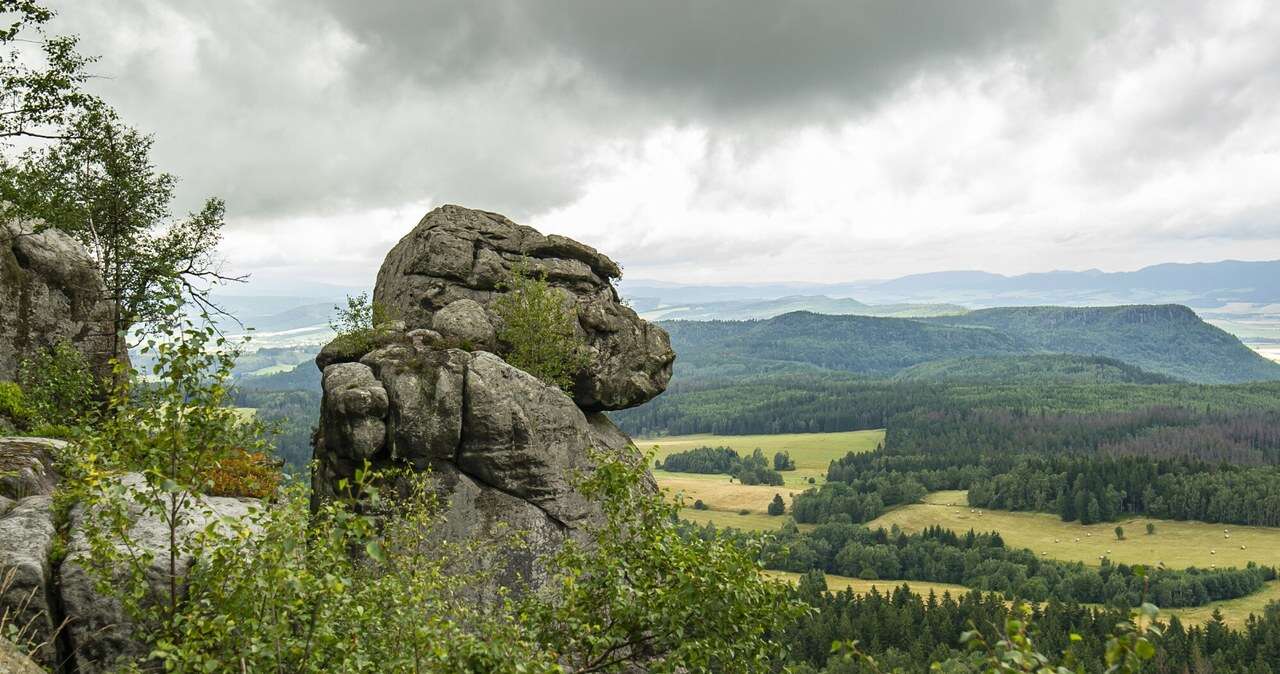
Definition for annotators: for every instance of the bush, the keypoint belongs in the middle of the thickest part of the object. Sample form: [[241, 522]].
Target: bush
[[538, 332], [14, 407], [699, 505], [358, 325], [59, 385], [244, 473], [777, 506], [783, 461]]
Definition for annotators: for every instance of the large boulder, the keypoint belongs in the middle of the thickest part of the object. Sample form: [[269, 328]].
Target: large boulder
[[464, 257], [27, 481], [50, 292], [26, 574], [26, 466], [433, 394], [99, 632], [502, 447]]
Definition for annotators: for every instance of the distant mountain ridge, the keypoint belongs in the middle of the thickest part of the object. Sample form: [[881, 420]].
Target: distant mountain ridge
[[1199, 284], [1168, 340], [768, 308]]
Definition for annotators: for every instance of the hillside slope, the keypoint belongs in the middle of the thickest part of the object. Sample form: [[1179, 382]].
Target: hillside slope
[[1167, 340], [1034, 369]]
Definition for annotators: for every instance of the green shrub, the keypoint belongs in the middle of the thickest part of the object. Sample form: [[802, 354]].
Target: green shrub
[[777, 506], [14, 407], [358, 325], [537, 330], [59, 385]]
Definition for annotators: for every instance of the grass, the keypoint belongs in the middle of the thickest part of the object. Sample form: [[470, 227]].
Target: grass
[[859, 586], [1234, 611], [749, 522], [1176, 544], [812, 452], [717, 493]]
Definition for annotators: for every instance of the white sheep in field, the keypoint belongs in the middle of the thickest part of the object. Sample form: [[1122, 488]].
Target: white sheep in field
[[1213, 552]]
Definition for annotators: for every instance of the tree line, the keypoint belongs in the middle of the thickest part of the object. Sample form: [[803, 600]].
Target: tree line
[[982, 561]]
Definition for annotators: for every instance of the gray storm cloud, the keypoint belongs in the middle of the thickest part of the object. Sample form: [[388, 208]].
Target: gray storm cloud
[[667, 129]]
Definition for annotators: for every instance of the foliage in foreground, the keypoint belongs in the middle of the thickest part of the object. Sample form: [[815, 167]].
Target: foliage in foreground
[[371, 582]]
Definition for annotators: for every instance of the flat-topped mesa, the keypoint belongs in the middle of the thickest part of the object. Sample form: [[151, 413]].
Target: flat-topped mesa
[[432, 393], [457, 253]]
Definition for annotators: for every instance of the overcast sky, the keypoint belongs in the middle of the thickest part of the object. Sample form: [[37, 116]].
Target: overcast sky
[[715, 140]]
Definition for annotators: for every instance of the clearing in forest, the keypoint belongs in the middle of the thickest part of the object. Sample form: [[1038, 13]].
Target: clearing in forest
[[1177, 544], [812, 453]]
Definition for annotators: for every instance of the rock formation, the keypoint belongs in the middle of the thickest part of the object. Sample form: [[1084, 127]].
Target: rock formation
[[46, 593], [457, 254], [50, 292], [501, 445]]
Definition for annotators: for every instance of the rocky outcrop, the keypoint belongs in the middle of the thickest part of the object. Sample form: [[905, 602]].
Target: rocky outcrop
[[445, 273], [50, 293], [99, 633], [27, 480], [433, 392], [67, 617], [13, 661]]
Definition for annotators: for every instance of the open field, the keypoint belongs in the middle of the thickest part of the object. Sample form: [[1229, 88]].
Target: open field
[[812, 452], [717, 493], [1234, 611], [1176, 544], [859, 586], [750, 522]]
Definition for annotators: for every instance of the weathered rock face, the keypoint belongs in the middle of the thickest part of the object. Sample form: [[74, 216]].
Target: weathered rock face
[[456, 253], [50, 293], [12, 661], [503, 448], [45, 592], [99, 633], [27, 480]]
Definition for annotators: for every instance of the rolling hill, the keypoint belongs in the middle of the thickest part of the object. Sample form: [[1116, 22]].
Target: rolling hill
[[1167, 340]]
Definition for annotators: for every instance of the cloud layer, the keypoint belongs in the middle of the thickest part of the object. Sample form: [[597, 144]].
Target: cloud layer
[[721, 140]]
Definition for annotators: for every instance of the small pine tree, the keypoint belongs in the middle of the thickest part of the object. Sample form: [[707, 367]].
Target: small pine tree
[[1120, 533], [777, 506], [1151, 528]]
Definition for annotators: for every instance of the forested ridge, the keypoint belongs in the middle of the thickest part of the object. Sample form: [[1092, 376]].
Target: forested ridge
[[1168, 339]]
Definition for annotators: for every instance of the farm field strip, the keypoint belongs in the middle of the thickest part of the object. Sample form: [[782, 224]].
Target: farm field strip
[[750, 522], [812, 452], [1176, 544], [859, 586], [1235, 612]]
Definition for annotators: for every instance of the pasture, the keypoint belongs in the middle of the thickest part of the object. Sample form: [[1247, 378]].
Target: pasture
[[717, 493], [859, 586], [812, 453], [1176, 544], [752, 521], [1235, 612]]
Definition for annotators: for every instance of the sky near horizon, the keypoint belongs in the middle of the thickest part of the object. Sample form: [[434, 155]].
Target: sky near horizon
[[719, 140]]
